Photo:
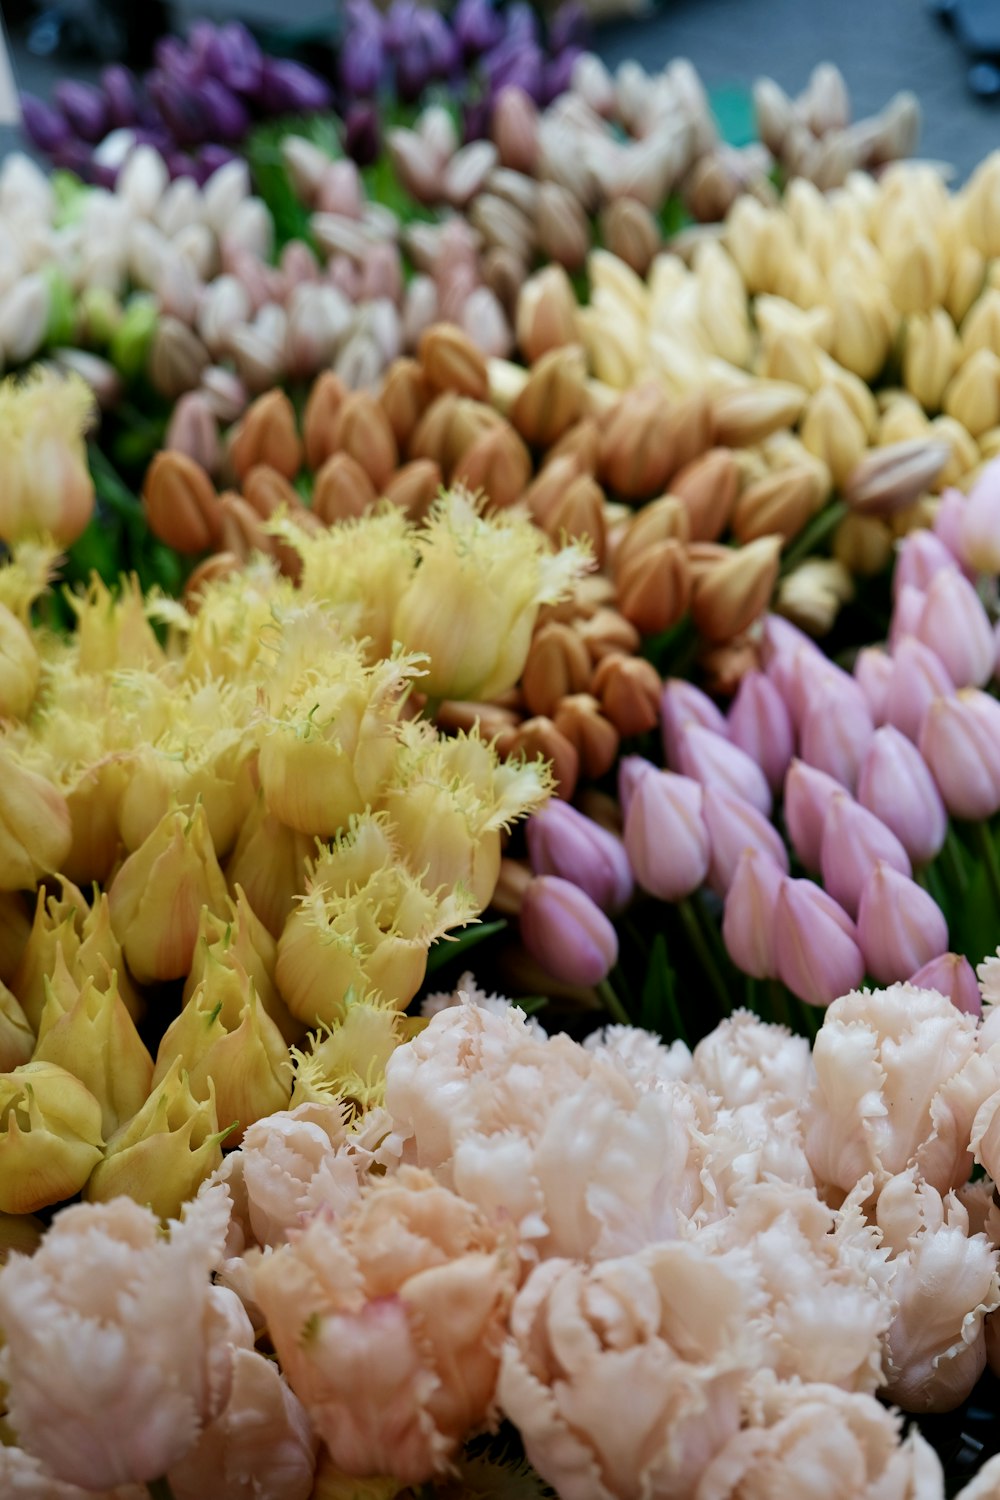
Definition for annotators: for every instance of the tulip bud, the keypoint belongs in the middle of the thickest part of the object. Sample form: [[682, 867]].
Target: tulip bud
[[728, 596], [558, 663], [51, 1138], [158, 893], [951, 975], [566, 932], [832, 431], [164, 1153], [712, 760], [891, 478], [836, 729], [95, 1039], [918, 677], [405, 396], [681, 703], [759, 724], [735, 826], [35, 826], [748, 414], [578, 515], [451, 362], [815, 944], [592, 737], [960, 741], [954, 624], [779, 504], [631, 232], [267, 435], [319, 420], [515, 129], [342, 490], [269, 864], [853, 840], [561, 226], [979, 530], [748, 923], [17, 1039], [900, 927], [628, 689], [873, 672], [539, 736], [180, 503], [896, 785], [562, 842], [654, 589], [973, 395], [497, 463], [808, 794], [707, 488], [362, 430], [930, 356], [645, 440], [552, 399], [546, 313], [414, 487], [19, 667], [665, 835]]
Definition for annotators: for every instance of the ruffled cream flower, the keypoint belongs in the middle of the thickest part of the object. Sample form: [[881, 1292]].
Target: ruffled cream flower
[[744, 1061], [388, 1321], [25, 1477], [644, 1057]]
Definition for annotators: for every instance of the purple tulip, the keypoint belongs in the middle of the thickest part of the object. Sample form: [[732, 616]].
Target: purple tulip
[[953, 976], [873, 673], [566, 933], [897, 786], [172, 56], [362, 136], [362, 61], [522, 22], [921, 555], [122, 95], [682, 703], [900, 927], [228, 114], [182, 108], [442, 47], [815, 944], [734, 826], [665, 835], [711, 760], [759, 723], [85, 107], [808, 793], [477, 26], [156, 135], [631, 770], [960, 741], [477, 116], [209, 159], [522, 65], [853, 841], [837, 729], [918, 677], [954, 624], [181, 164], [74, 156], [558, 74], [44, 126], [287, 87], [569, 27], [748, 919], [561, 841], [236, 60], [400, 25]]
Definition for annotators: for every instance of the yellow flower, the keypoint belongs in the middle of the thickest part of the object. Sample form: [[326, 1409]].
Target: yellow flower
[[20, 667], [242, 942], [45, 485], [55, 932], [269, 863], [50, 1136], [35, 829], [113, 632], [95, 1039], [347, 1060], [17, 1040], [473, 601]]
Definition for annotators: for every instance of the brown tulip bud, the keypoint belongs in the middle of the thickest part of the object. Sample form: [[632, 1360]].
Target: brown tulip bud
[[583, 443], [242, 531], [515, 129], [267, 491], [749, 413], [176, 358], [654, 589], [608, 633], [628, 689], [723, 668], [593, 736], [343, 489], [414, 487], [512, 882], [362, 429], [558, 663], [646, 439], [319, 423], [404, 397], [546, 490], [553, 398], [578, 514], [539, 736], [731, 591], [630, 231], [213, 570], [780, 504], [266, 434], [430, 435], [180, 503], [659, 521], [890, 479], [546, 313], [451, 362], [708, 488], [588, 595], [504, 272], [497, 463], [562, 227], [459, 717], [469, 421]]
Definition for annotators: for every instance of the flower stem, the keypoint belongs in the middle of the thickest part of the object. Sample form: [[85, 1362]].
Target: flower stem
[[159, 1489], [612, 1004], [819, 528], [951, 853], [988, 849], [696, 936]]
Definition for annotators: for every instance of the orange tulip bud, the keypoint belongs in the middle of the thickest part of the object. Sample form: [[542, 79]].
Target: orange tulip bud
[[414, 487], [593, 736], [558, 663], [730, 592], [539, 736], [578, 513], [319, 421], [708, 488], [654, 588], [180, 503], [779, 504], [553, 398], [267, 434], [497, 463], [405, 396], [628, 689], [343, 489], [451, 362], [362, 430]]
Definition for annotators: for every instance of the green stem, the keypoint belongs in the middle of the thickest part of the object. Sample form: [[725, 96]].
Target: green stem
[[696, 937], [612, 1004], [988, 849], [952, 855], [819, 528], [159, 1489], [779, 998]]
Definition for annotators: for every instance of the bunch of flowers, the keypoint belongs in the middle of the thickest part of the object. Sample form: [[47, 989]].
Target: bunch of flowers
[[756, 1237]]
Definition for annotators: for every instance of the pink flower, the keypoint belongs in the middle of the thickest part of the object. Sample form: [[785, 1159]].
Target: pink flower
[[853, 839], [896, 785], [808, 794], [872, 673], [568, 935], [815, 944], [759, 723], [734, 826], [665, 835], [711, 760], [921, 556], [906, 614], [561, 841], [900, 926], [682, 703], [960, 742], [631, 770], [748, 923], [953, 976], [954, 623], [918, 677], [836, 730], [979, 528]]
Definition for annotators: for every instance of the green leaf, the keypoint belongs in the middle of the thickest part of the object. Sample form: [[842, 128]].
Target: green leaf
[[447, 948], [659, 1010], [975, 919]]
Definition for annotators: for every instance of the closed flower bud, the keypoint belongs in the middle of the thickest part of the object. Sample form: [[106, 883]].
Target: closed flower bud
[[760, 725], [930, 356], [17, 1039], [853, 841], [812, 594], [578, 515], [564, 931], [836, 728], [176, 358], [748, 414], [748, 923], [973, 395], [863, 545], [630, 231], [451, 362], [267, 435], [896, 785], [960, 741], [405, 396], [498, 464], [35, 826], [734, 826], [95, 1039], [654, 588], [539, 736], [51, 1138], [343, 490], [552, 398], [712, 760], [918, 677], [562, 842], [158, 893], [891, 478], [635, 459], [595, 740], [558, 663], [362, 430], [816, 944], [729, 596], [546, 313], [414, 487], [707, 488], [900, 927], [873, 672], [951, 975], [19, 667], [808, 793], [628, 689], [979, 529], [780, 504], [832, 431], [561, 226], [515, 129], [45, 485], [665, 835], [269, 864], [954, 624], [180, 503], [319, 421]]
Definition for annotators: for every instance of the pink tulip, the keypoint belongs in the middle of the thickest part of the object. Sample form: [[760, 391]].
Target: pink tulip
[[837, 730], [896, 785], [665, 837], [948, 524], [815, 944], [920, 557], [873, 673], [918, 677], [568, 935], [759, 723], [711, 760], [900, 926], [561, 841], [748, 923], [782, 638], [960, 742], [996, 640], [979, 529], [953, 976], [682, 703], [956, 626], [906, 613], [194, 431], [734, 826], [853, 840], [808, 794], [631, 769], [798, 679]]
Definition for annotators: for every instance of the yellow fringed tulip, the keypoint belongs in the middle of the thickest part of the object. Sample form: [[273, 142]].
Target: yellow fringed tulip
[[17, 1040], [45, 485], [35, 827], [95, 1039], [20, 667], [50, 1137], [269, 863], [347, 1060]]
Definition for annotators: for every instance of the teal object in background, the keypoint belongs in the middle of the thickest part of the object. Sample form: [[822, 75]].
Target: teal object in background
[[733, 111]]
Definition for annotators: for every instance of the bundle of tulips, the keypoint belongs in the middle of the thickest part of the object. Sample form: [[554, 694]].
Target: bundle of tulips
[[669, 1274]]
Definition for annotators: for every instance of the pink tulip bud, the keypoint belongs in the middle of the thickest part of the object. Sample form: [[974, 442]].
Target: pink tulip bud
[[960, 742], [896, 785], [799, 679], [808, 793], [561, 841], [837, 730], [782, 638], [340, 190], [631, 768], [711, 760], [873, 673], [682, 703], [298, 264], [853, 840], [734, 826], [194, 430], [900, 926], [760, 725], [748, 923], [568, 935], [996, 639], [953, 976], [815, 944], [918, 677], [948, 524], [920, 557], [665, 837], [979, 530], [906, 613], [955, 625]]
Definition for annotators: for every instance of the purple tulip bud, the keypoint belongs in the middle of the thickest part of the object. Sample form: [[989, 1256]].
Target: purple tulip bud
[[235, 59], [854, 840], [85, 108], [566, 933], [210, 158], [681, 703], [808, 793], [227, 114], [558, 74], [477, 115], [362, 136], [665, 836], [631, 770], [734, 826], [918, 677], [952, 976], [748, 920], [960, 741], [949, 524], [921, 555], [287, 87], [759, 723], [815, 944], [901, 927], [561, 841], [569, 27], [44, 126], [477, 26], [980, 528], [102, 175], [522, 66], [172, 55], [362, 61], [181, 164], [896, 785], [837, 729], [956, 626], [439, 41], [182, 108], [906, 612], [873, 673], [74, 156], [400, 26], [782, 638], [710, 759], [522, 22], [156, 135], [122, 95]]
